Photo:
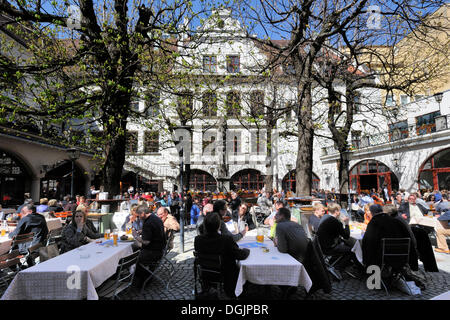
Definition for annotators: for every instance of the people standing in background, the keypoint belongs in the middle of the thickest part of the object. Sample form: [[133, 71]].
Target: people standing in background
[[195, 212], [234, 205]]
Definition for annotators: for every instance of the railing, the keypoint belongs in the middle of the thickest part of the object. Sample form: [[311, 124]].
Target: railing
[[394, 135]]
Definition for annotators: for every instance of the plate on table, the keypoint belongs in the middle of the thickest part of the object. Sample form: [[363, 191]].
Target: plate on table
[[128, 239]]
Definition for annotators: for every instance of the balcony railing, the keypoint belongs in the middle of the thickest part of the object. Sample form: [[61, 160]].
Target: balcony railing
[[397, 134]]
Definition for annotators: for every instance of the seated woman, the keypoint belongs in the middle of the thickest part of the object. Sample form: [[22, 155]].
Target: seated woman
[[132, 219], [77, 233], [211, 242], [367, 214], [245, 217], [89, 223]]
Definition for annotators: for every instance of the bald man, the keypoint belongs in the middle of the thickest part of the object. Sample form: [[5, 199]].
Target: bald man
[[170, 223]]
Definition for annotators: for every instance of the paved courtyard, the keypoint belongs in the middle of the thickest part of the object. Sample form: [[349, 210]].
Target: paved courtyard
[[182, 283]]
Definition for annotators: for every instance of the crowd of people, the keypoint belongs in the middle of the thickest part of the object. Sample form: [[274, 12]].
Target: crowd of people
[[151, 215]]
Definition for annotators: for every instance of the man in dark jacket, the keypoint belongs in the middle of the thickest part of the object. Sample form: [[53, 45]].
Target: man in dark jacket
[[152, 240], [290, 236], [334, 238], [211, 242], [31, 222], [412, 210], [380, 226]]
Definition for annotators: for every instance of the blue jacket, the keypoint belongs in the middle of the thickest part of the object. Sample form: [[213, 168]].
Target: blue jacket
[[195, 212]]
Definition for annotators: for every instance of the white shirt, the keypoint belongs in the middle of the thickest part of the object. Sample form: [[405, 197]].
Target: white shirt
[[415, 214]]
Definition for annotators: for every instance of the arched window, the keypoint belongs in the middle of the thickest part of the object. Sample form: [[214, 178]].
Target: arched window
[[202, 181], [14, 180], [247, 179], [372, 174], [289, 181], [435, 172]]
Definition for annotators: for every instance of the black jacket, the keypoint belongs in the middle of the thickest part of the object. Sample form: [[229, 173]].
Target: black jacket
[[226, 247], [404, 209], [33, 222], [330, 232], [72, 239], [381, 226]]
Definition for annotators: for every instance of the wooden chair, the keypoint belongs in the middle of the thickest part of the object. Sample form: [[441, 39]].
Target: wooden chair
[[55, 236], [10, 265], [12, 223], [122, 279], [22, 242]]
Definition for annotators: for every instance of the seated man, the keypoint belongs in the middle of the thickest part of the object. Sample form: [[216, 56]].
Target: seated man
[[314, 219], [132, 219], [169, 221], [211, 242], [442, 233], [271, 218], [220, 206], [334, 238], [290, 236], [412, 211], [152, 241], [31, 221], [381, 226]]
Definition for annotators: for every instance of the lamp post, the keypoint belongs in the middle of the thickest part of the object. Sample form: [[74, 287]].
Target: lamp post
[[441, 120], [438, 97], [74, 154]]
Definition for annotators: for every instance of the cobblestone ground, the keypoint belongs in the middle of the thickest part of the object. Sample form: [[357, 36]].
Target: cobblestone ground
[[182, 283]]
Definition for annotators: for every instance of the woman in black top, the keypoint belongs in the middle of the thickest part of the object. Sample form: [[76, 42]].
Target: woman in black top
[[77, 233]]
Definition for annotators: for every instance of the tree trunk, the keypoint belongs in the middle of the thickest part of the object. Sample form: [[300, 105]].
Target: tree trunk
[[268, 181], [304, 163], [344, 163], [115, 157]]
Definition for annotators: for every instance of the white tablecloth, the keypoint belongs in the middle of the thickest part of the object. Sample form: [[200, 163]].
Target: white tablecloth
[[357, 249], [55, 279], [270, 268]]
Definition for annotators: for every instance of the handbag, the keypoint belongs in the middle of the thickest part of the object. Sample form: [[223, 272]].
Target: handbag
[[48, 252]]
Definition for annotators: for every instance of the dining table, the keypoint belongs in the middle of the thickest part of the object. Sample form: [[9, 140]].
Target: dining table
[[73, 275], [357, 230], [266, 265]]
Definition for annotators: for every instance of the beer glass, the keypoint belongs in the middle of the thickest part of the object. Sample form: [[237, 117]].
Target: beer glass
[[107, 232], [260, 235], [115, 236]]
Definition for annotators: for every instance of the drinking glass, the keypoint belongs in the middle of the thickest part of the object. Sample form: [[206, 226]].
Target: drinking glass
[[107, 234], [115, 236], [260, 235]]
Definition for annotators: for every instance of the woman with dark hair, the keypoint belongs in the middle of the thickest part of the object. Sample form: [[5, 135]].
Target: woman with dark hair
[[77, 233], [211, 242]]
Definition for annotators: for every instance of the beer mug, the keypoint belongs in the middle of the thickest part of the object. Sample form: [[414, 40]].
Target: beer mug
[[115, 236], [107, 234], [260, 235]]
